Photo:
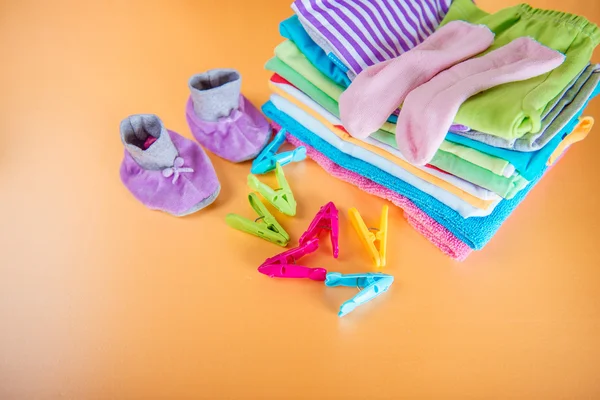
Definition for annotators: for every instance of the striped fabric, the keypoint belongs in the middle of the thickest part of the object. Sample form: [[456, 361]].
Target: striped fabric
[[361, 33]]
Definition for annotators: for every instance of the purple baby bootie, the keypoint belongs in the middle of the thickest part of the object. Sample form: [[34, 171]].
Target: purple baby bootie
[[223, 120], [164, 170]]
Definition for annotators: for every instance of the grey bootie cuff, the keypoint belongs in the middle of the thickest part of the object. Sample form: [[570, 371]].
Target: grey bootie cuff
[[215, 93], [135, 129]]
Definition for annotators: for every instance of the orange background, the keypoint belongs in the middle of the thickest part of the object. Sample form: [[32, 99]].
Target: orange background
[[101, 298]]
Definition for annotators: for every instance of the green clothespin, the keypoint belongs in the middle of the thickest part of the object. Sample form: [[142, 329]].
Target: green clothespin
[[282, 199], [265, 226]]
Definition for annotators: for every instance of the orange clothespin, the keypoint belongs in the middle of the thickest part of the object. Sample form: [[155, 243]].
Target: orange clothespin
[[579, 133]]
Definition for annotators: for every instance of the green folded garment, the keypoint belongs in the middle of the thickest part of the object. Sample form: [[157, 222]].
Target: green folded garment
[[515, 109]]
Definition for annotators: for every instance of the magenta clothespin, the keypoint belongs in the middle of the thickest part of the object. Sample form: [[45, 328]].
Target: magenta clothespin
[[327, 219], [283, 265], [293, 271]]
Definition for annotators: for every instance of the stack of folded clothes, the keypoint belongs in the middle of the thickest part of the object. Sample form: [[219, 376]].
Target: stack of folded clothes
[[449, 112]]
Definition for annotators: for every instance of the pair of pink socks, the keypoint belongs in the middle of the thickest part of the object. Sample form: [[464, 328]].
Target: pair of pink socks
[[429, 92], [428, 111], [380, 89]]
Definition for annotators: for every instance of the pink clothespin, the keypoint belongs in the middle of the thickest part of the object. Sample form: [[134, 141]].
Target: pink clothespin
[[327, 219], [283, 265]]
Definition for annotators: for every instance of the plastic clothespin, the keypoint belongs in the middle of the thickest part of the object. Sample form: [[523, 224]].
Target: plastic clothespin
[[268, 228], [284, 265], [327, 219], [373, 284], [268, 157], [369, 238], [282, 199]]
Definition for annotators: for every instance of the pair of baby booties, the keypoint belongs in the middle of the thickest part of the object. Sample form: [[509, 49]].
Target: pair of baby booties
[[168, 172]]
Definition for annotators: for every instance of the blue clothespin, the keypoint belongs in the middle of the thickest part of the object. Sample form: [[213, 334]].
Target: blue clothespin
[[268, 158], [373, 284]]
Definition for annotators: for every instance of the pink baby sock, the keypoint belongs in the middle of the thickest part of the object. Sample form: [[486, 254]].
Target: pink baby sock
[[428, 111], [380, 89]]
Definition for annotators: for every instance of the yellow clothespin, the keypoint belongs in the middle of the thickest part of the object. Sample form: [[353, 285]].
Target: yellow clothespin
[[369, 238], [579, 133]]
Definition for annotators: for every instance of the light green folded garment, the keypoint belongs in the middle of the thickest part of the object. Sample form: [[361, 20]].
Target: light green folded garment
[[515, 109], [506, 187], [497, 165]]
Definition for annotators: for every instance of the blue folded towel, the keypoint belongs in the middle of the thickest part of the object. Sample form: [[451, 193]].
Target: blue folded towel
[[475, 231]]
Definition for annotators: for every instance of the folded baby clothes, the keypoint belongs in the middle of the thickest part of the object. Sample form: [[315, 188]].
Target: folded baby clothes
[[552, 108], [292, 29], [361, 33], [420, 221], [428, 111], [493, 164], [571, 102], [222, 119], [451, 163], [376, 153], [528, 164], [293, 66], [458, 204], [514, 109], [427, 173], [475, 232], [381, 88], [164, 170], [285, 89], [507, 186]]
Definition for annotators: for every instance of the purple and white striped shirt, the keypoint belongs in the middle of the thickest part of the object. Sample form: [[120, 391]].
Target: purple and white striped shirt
[[361, 33]]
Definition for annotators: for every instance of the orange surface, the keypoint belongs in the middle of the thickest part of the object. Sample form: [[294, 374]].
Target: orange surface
[[101, 298]]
